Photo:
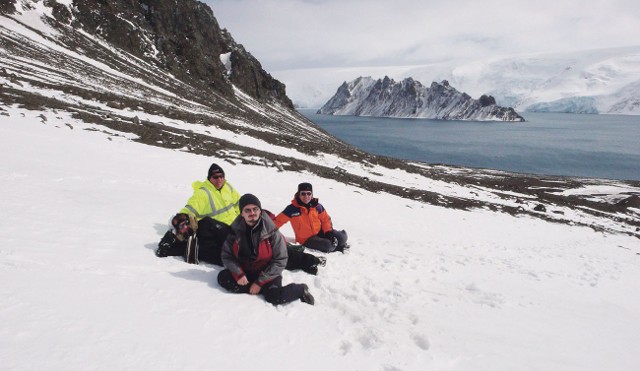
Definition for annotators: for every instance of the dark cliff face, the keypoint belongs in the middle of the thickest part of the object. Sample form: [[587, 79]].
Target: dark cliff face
[[248, 75], [7, 7], [181, 37]]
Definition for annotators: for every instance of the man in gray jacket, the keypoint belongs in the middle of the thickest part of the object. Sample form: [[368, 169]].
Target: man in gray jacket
[[255, 254]]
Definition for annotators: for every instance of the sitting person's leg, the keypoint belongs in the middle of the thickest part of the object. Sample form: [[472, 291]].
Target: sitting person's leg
[[342, 239], [275, 294], [302, 260], [211, 236], [319, 243], [226, 281], [209, 251]]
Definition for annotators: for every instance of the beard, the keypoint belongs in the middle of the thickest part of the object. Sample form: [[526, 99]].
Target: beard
[[252, 220]]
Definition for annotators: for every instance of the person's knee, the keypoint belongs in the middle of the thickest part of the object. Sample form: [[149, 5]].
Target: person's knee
[[226, 281], [321, 244], [342, 237], [274, 295]]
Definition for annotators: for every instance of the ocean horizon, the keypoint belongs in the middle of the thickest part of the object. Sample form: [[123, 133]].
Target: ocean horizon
[[560, 144]]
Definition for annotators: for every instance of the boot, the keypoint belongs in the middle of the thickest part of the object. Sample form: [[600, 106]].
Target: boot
[[306, 295]]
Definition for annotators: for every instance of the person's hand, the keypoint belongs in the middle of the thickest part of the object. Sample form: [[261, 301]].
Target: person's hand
[[332, 237], [255, 289], [243, 281]]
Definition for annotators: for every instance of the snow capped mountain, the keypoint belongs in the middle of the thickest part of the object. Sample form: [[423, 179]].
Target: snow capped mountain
[[595, 81], [408, 98]]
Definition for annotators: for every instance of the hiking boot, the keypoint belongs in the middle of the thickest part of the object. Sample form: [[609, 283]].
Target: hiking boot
[[165, 244], [342, 248], [312, 270], [345, 246], [321, 261], [306, 295]]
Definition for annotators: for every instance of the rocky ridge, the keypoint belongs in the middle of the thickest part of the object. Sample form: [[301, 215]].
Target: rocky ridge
[[385, 97]]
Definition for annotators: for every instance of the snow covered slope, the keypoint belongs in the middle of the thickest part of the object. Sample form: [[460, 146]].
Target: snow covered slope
[[591, 81], [56, 72], [423, 288], [450, 268]]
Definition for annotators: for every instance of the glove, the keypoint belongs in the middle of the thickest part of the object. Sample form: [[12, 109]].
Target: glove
[[165, 244], [332, 237]]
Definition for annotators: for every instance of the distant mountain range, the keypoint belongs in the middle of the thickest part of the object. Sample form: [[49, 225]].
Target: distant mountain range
[[592, 81], [365, 96]]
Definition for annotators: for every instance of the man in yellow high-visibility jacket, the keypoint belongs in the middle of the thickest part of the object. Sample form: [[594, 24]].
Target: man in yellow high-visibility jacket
[[208, 214]]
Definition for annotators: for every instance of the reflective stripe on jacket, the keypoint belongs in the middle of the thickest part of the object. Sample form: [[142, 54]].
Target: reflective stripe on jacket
[[221, 205], [305, 221]]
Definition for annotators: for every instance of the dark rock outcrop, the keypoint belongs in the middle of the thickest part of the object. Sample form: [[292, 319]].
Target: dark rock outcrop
[[181, 37], [631, 201], [7, 7]]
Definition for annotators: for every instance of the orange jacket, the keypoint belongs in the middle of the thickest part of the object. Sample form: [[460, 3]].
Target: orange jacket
[[306, 221]]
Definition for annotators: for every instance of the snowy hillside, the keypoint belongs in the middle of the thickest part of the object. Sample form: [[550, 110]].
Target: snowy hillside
[[602, 81], [423, 287], [113, 91], [450, 268]]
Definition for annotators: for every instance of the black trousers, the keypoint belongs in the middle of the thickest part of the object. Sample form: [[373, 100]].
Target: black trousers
[[211, 236], [300, 260], [320, 241], [273, 291]]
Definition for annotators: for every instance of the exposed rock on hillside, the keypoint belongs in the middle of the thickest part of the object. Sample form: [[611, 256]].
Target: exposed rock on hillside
[[182, 38], [162, 73]]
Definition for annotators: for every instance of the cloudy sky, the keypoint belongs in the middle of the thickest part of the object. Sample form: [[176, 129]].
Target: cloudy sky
[[292, 34]]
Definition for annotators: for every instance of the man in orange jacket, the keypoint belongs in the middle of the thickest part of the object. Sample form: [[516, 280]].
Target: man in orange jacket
[[311, 223]]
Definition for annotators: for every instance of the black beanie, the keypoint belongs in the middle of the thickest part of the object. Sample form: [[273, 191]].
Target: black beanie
[[215, 168], [248, 199], [305, 187]]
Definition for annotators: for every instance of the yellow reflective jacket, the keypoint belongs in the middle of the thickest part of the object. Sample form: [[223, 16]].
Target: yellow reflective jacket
[[221, 205]]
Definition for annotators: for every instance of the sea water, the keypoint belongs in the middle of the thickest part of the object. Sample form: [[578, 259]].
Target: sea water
[[594, 146]]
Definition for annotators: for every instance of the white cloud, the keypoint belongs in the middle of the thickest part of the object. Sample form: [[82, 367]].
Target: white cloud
[[286, 34]]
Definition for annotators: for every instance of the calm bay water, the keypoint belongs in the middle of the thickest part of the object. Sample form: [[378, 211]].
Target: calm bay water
[[601, 146]]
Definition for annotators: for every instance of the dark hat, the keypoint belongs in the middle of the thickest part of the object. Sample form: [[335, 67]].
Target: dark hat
[[248, 199], [215, 168], [305, 187]]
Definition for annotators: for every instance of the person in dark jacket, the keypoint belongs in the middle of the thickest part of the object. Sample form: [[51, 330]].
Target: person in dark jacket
[[254, 256], [311, 222]]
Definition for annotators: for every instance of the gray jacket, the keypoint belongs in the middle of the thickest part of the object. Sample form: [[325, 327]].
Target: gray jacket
[[259, 250]]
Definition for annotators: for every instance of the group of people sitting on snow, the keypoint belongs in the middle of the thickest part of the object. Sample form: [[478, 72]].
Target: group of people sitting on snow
[[220, 227]]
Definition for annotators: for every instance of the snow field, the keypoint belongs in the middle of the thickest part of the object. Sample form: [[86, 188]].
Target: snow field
[[422, 288]]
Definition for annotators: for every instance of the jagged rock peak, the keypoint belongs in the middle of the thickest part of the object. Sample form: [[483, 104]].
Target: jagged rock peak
[[181, 37], [385, 97]]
